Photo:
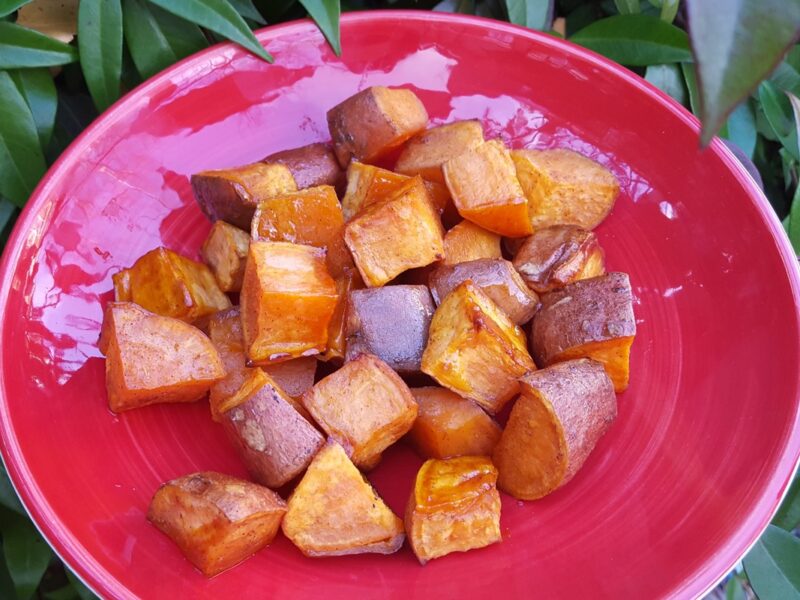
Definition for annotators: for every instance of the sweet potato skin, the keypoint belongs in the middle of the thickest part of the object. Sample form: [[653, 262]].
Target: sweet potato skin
[[225, 252], [467, 241], [426, 152], [337, 336], [555, 424], [311, 165], [217, 521]]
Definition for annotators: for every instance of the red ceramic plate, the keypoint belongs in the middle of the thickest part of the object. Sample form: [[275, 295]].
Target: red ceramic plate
[[708, 434]]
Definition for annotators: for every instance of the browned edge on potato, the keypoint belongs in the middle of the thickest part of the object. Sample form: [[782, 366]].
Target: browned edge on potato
[[425, 153], [311, 165], [225, 252]]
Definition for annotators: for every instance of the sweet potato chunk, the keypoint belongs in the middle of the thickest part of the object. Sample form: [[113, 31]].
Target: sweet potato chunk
[[372, 122], [553, 427], [391, 323], [287, 299], [565, 188], [364, 406], [232, 194], [448, 425], [454, 507], [398, 234], [485, 189], [555, 256], [310, 165], [334, 510], [337, 337], [475, 350], [467, 241], [225, 251], [171, 285], [217, 521], [426, 152], [496, 278], [591, 318], [152, 359]]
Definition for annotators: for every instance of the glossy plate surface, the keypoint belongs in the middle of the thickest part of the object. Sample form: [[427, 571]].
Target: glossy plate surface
[[708, 433]]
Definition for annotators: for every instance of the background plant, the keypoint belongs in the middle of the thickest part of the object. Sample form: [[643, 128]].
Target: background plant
[[737, 68]]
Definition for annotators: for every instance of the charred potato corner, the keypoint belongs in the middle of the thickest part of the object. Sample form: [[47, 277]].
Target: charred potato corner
[[343, 307]]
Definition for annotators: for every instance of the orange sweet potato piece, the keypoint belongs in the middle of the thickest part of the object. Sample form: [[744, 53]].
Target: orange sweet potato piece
[[565, 188], [364, 406], [485, 189], [232, 195], [426, 152], [310, 165], [337, 338], [225, 251], [152, 359], [398, 234], [467, 241], [454, 507], [562, 413], [475, 350], [374, 121], [334, 511], [591, 318], [287, 302], [448, 425], [216, 520]]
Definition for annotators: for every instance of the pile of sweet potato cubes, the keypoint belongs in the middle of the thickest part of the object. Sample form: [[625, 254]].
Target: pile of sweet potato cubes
[[375, 289]]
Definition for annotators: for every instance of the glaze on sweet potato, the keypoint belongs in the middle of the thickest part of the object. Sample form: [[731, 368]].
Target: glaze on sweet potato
[[310, 165], [426, 152], [225, 252], [467, 241], [555, 424], [337, 337]]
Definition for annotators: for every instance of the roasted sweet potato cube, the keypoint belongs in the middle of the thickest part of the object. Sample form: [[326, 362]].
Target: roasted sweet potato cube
[[232, 195], [337, 337], [467, 241], [565, 188], [287, 302], [426, 152], [390, 322], [122, 285], [496, 278], [225, 251], [334, 510], [398, 234], [216, 520], [364, 406], [485, 189], [562, 413], [591, 318], [310, 165], [454, 507], [171, 285], [374, 121], [448, 425], [152, 359], [475, 350]]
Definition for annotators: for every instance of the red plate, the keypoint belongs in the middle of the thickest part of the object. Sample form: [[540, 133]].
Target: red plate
[[708, 434]]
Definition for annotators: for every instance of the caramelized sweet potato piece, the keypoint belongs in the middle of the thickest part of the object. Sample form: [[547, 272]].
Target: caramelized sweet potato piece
[[232, 194], [475, 350], [287, 300], [454, 507], [591, 318], [485, 189], [496, 278], [390, 322], [426, 152], [217, 521], [152, 359], [448, 425], [364, 406], [401, 233], [122, 286], [337, 337], [310, 165], [553, 427], [467, 241], [171, 285], [225, 251], [565, 188], [334, 510], [374, 121]]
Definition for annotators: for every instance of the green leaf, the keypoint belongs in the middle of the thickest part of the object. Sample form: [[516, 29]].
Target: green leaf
[[734, 590], [771, 565], [741, 128], [635, 40], [669, 9], [690, 77], [23, 48], [786, 78], [778, 111], [326, 15], [8, 497], [736, 45], [218, 16], [669, 79], [9, 6], [84, 592], [788, 515], [156, 39], [100, 43], [27, 555], [628, 7], [21, 160], [535, 14], [39, 91], [248, 11]]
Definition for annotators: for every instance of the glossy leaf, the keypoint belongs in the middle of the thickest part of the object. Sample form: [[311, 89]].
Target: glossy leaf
[[668, 9], [27, 555], [39, 91], [736, 47], [535, 14], [8, 497], [690, 77], [771, 565], [23, 48], [326, 15], [778, 111], [218, 16], [628, 7], [100, 44], [9, 6], [635, 40], [741, 128], [248, 11], [669, 79], [788, 515]]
